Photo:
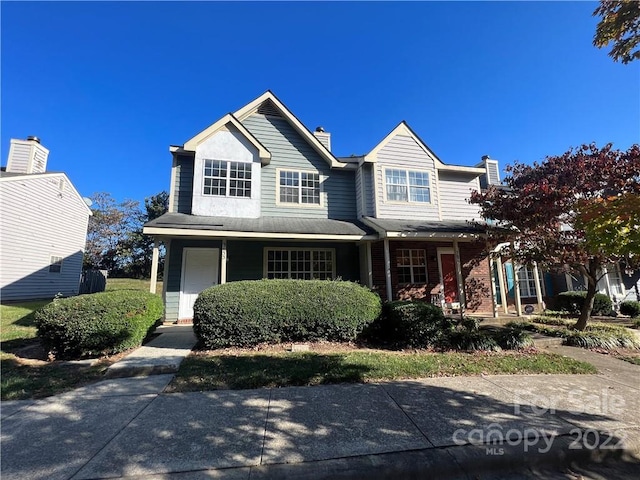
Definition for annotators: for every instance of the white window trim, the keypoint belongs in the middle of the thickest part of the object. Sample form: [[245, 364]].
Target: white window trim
[[409, 201], [321, 179], [228, 178], [412, 266], [265, 257]]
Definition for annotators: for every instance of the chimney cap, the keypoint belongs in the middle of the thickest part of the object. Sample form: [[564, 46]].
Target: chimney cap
[[486, 157], [33, 138], [319, 129]]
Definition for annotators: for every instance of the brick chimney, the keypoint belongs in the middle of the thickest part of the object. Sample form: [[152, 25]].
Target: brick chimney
[[27, 156]]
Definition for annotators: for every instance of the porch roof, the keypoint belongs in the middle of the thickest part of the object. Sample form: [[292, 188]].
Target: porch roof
[[392, 227], [263, 227]]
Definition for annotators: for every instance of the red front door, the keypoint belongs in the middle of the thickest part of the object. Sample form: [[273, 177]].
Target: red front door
[[448, 264]]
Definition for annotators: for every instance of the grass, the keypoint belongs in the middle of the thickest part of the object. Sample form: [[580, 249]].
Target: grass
[[131, 284], [203, 371], [34, 378]]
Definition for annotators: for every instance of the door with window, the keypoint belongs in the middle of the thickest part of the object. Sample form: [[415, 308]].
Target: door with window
[[447, 263], [199, 271]]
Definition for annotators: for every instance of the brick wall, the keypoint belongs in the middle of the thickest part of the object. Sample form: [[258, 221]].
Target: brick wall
[[475, 271]]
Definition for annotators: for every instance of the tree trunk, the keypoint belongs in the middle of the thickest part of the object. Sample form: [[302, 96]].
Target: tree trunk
[[585, 314]]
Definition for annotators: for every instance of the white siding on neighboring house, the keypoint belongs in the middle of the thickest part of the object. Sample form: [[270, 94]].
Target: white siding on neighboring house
[[455, 191], [42, 217], [402, 152]]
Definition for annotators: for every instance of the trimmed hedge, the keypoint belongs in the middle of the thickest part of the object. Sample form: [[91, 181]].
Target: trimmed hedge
[[630, 308], [572, 302], [250, 312], [411, 324], [97, 324]]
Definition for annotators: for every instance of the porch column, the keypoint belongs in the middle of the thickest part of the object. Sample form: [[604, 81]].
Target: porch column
[[369, 265], [536, 277], [502, 283], [223, 262], [387, 268], [494, 296], [154, 267], [516, 282], [607, 283], [461, 296]]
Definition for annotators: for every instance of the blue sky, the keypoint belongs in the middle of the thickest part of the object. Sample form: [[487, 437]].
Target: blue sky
[[109, 86]]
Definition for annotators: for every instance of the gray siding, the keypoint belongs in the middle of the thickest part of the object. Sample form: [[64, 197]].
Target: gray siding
[[39, 220], [404, 153], [183, 189], [455, 190], [290, 151], [369, 198], [173, 272]]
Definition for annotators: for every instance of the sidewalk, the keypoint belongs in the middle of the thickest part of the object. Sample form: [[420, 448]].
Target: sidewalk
[[517, 426]]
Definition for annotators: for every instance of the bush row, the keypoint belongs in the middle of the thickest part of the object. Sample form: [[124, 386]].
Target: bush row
[[249, 312], [572, 302], [97, 324], [630, 308]]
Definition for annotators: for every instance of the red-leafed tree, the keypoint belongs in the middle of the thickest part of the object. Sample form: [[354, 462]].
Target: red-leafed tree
[[579, 210]]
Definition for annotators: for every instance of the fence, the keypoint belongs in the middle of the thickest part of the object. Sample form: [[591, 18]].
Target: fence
[[93, 281]]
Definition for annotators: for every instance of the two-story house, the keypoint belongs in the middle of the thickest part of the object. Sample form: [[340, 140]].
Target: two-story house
[[258, 195]]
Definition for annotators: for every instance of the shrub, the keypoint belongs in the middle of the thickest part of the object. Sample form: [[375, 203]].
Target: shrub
[[607, 337], [411, 324], [630, 308], [97, 324], [513, 339], [572, 302], [249, 312], [472, 340]]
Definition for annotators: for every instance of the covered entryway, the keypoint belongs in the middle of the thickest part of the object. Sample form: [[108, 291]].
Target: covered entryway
[[448, 278], [199, 271]]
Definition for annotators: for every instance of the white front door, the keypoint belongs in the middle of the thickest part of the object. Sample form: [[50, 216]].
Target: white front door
[[199, 271]]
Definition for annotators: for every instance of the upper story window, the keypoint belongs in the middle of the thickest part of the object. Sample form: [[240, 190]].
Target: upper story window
[[299, 187], [407, 186], [227, 179], [412, 265]]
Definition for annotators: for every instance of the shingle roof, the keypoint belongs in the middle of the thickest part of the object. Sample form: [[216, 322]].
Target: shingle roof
[[415, 226], [261, 225]]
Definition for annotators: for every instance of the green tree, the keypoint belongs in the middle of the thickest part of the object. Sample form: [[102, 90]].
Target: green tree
[[137, 248], [109, 226], [574, 210], [619, 24]]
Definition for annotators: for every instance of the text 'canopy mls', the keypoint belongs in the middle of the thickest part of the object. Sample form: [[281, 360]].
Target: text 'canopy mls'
[[578, 210]]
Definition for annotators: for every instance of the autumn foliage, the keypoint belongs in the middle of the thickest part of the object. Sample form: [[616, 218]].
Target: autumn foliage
[[578, 210]]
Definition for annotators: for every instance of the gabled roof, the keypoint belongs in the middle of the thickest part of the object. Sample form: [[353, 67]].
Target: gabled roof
[[14, 176], [268, 96], [404, 129], [224, 122]]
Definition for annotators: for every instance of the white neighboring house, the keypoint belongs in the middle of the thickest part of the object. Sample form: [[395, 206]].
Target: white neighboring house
[[43, 227]]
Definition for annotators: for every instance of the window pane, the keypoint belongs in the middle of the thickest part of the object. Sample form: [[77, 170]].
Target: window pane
[[215, 177], [419, 187], [310, 183], [396, 183]]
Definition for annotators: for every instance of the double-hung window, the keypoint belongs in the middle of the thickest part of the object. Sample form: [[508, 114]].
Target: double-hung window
[[227, 179], [300, 263], [407, 186], [299, 187], [55, 264], [412, 265], [527, 281]]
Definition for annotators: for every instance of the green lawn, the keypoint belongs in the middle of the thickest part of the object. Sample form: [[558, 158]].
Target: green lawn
[[16, 320], [204, 371], [131, 284]]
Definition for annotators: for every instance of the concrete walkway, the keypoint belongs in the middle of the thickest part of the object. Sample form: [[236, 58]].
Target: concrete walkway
[[490, 427], [163, 354]]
